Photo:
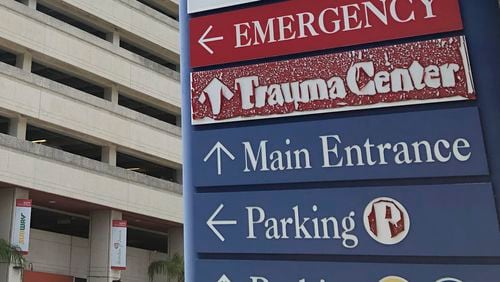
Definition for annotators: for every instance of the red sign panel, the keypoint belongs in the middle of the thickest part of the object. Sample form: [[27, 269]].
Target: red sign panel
[[421, 72], [26, 203], [297, 26], [119, 223]]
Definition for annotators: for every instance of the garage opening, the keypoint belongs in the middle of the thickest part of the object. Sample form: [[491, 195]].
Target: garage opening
[[147, 109], [145, 167], [67, 79], [71, 20], [62, 142], [4, 125], [146, 54], [8, 57]]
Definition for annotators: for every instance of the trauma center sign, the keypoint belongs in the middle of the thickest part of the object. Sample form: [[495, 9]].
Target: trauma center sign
[[414, 73], [296, 26]]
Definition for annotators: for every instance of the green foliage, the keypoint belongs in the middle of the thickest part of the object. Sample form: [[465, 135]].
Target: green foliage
[[174, 267], [11, 254]]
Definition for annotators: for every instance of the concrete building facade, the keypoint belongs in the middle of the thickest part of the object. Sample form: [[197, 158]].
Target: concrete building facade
[[90, 132]]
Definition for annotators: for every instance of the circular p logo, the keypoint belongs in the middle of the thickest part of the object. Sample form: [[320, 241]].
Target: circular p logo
[[386, 221], [393, 279]]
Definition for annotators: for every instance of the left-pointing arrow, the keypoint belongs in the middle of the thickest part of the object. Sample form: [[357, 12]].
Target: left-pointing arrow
[[212, 223], [204, 40]]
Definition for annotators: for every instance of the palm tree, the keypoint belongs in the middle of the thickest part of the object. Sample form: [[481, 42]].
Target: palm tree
[[174, 267], [11, 254]]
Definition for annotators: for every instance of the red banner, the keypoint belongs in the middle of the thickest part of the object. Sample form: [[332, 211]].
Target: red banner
[[421, 72], [297, 26]]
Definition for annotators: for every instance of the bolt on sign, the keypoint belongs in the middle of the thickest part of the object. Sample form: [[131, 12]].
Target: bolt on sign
[[422, 72], [341, 128], [296, 26]]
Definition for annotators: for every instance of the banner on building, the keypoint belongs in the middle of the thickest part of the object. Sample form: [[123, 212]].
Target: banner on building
[[119, 245], [22, 223]]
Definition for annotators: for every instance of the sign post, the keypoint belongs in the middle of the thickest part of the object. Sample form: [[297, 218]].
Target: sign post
[[327, 140]]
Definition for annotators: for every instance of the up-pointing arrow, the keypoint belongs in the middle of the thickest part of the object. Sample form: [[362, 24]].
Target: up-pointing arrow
[[215, 90], [204, 40], [218, 148], [211, 222], [223, 278]]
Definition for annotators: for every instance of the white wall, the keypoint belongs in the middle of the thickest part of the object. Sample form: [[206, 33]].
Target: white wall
[[127, 16], [35, 98], [31, 171], [69, 47], [67, 255], [59, 254], [137, 265]]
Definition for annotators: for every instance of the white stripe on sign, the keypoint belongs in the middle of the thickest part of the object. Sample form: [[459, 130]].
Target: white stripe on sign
[[195, 6]]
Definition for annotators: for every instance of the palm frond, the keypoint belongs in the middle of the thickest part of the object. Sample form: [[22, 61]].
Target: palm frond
[[174, 267], [11, 254], [157, 268]]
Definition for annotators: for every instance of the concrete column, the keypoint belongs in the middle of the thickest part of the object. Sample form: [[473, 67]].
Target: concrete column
[[176, 241], [100, 246], [178, 119], [24, 61], [18, 126], [111, 94], [178, 175], [113, 37], [108, 155], [7, 205], [30, 3]]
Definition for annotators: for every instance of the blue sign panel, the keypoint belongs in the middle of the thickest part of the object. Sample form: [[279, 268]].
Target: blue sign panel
[[440, 220], [272, 200], [405, 145], [292, 271]]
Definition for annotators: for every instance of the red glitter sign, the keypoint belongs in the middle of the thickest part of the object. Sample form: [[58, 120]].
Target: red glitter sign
[[415, 73]]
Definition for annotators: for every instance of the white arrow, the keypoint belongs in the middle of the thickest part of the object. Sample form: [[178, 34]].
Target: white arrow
[[204, 40], [223, 278], [219, 147], [215, 90], [211, 222]]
